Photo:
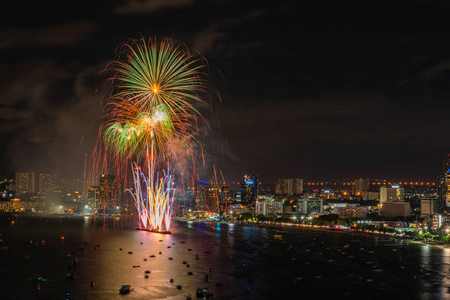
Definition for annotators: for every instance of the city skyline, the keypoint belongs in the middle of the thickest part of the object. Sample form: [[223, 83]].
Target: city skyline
[[319, 91]]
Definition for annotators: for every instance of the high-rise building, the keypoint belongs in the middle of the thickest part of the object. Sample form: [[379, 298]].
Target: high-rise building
[[71, 185], [201, 194], [360, 186], [268, 206], [428, 206], [25, 182], [48, 183], [225, 196], [249, 189], [289, 186], [442, 192], [447, 180], [109, 191], [393, 194], [436, 221], [212, 199], [298, 186], [93, 196], [306, 206], [392, 209]]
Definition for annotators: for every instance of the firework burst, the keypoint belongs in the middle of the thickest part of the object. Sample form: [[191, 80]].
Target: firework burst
[[156, 87]]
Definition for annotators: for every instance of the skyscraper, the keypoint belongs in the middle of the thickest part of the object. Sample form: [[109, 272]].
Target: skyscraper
[[109, 191], [71, 185], [249, 188], [360, 186], [25, 182], [442, 192], [298, 186], [447, 180], [289, 186], [393, 194], [47, 183], [93, 196]]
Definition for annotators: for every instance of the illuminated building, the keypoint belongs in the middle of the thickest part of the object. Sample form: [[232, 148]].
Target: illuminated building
[[428, 206], [71, 185], [370, 195], [268, 206], [25, 182], [109, 191], [298, 186], [7, 189], [249, 189], [447, 181], [436, 221], [395, 193], [212, 199], [360, 186], [225, 197], [201, 194], [16, 205], [442, 191], [351, 210], [93, 196], [48, 183], [394, 209], [309, 205], [289, 186]]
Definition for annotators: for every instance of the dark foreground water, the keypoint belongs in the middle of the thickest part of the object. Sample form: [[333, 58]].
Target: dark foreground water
[[242, 262]]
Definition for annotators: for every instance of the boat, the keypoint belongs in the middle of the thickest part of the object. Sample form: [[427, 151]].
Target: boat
[[125, 289], [154, 230], [203, 292]]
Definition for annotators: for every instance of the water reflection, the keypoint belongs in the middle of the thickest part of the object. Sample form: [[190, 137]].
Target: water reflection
[[241, 262]]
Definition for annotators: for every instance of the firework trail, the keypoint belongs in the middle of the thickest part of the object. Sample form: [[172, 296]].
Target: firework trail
[[151, 119]]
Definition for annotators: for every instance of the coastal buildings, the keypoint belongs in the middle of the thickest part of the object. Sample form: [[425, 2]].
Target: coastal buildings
[[48, 183], [249, 188], [394, 209], [360, 186], [429, 206], [289, 186], [394, 193], [309, 205], [25, 182], [109, 191], [447, 180]]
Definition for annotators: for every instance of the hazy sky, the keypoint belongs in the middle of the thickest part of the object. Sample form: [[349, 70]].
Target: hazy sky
[[321, 90]]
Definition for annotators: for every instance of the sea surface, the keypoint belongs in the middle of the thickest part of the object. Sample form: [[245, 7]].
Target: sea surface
[[240, 262]]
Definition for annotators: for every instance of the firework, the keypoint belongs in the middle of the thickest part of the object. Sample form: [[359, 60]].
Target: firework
[[151, 110]]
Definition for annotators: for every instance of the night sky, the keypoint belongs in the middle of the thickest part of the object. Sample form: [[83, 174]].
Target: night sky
[[323, 91]]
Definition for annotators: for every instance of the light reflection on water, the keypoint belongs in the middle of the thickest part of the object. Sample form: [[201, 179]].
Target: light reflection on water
[[238, 257]]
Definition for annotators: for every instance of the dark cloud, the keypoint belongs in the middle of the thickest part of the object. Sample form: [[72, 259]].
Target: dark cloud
[[60, 35], [437, 69], [149, 6], [312, 90], [213, 37]]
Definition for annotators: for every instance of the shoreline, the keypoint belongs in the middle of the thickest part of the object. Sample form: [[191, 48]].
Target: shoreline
[[281, 227], [318, 228]]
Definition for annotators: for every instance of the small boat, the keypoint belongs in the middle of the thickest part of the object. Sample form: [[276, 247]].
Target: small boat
[[203, 292], [125, 289]]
